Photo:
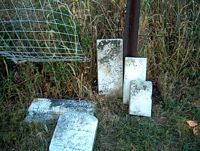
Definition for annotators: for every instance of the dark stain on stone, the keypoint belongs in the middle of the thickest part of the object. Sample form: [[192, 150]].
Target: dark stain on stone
[[73, 105], [112, 52]]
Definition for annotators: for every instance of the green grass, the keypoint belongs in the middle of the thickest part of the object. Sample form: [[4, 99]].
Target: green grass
[[166, 130], [169, 37]]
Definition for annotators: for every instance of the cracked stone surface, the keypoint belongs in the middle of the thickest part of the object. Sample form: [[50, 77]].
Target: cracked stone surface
[[135, 69], [75, 131], [110, 66], [140, 98], [43, 109]]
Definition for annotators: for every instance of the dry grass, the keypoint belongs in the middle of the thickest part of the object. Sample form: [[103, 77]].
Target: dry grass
[[169, 37]]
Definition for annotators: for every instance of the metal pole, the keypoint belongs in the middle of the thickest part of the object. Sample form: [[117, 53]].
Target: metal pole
[[131, 28]]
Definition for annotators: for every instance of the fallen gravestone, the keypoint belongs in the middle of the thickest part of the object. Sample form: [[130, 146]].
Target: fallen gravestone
[[76, 127], [75, 131], [49, 109]]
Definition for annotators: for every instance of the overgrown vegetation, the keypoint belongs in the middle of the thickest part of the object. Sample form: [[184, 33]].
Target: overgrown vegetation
[[169, 37]]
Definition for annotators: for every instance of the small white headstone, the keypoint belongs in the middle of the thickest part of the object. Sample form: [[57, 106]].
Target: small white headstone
[[135, 69], [110, 66], [75, 131], [140, 98]]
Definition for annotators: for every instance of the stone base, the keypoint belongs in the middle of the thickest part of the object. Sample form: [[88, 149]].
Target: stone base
[[110, 66], [49, 109], [135, 69], [140, 98], [75, 131]]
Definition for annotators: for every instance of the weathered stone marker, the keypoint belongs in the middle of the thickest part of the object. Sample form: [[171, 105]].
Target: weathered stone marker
[[110, 66], [135, 69], [75, 131], [49, 109], [76, 126], [140, 98]]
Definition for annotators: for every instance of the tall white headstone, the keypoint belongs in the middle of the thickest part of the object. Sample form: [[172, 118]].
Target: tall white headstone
[[110, 66], [135, 69]]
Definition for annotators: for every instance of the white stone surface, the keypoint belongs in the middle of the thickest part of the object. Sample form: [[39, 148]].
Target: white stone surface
[[75, 131], [140, 98], [135, 69], [42, 109], [110, 66]]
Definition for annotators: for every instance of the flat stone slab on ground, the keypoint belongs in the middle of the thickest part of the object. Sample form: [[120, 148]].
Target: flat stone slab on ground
[[110, 66], [135, 69], [43, 109], [140, 98], [75, 131]]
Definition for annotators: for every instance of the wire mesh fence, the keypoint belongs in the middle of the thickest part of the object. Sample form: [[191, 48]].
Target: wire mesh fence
[[38, 31]]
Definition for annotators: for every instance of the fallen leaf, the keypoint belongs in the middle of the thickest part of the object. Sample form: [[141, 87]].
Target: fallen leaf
[[196, 131], [17, 78], [192, 123], [196, 103], [163, 118]]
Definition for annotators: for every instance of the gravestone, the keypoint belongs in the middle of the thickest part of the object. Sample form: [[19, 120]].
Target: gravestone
[[76, 126], [110, 66], [140, 98], [43, 109], [75, 131], [135, 69]]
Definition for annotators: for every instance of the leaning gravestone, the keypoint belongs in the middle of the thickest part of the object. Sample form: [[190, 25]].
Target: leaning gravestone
[[110, 66], [75, 131]]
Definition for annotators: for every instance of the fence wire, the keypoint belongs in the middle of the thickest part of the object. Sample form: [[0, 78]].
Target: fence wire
[[38, 31]]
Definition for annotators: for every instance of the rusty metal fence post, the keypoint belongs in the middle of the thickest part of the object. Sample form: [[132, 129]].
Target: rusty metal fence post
[[131, 28]]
